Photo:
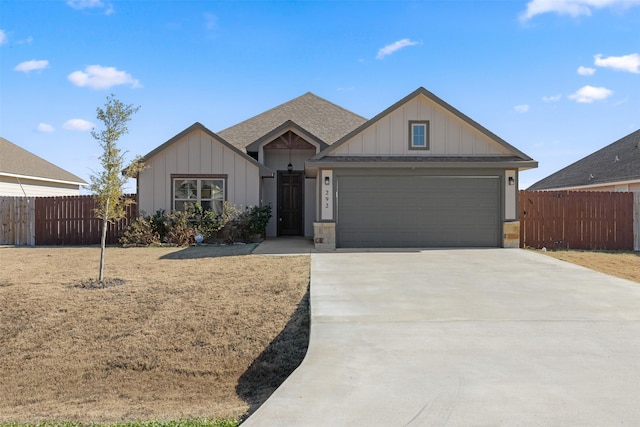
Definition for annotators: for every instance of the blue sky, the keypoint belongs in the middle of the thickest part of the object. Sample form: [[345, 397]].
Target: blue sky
[[558, 79]]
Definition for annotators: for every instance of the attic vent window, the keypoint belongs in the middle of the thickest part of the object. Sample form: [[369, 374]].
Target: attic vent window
[[419, 135]]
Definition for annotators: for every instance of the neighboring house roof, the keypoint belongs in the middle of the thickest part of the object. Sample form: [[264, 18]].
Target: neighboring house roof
[[617, 162], [319, 117], [518, 155], [18, 162], [264, 171]]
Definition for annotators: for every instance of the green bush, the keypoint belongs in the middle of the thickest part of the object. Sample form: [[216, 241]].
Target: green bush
[[257, 218], [180, 227]]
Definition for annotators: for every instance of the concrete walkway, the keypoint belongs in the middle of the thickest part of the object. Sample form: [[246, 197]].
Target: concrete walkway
[[285, 246], [494, 337]]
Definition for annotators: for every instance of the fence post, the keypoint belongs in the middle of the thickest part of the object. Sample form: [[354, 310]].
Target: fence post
[[636, 221]]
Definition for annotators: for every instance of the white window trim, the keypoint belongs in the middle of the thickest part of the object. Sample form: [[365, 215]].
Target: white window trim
[[427, 140]]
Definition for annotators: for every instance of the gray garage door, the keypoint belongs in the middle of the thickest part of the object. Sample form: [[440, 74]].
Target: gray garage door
[[418, 211]]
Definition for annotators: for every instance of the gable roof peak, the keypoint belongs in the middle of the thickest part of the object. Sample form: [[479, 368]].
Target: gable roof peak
[[441, 103], [199, 126], [322, 118]]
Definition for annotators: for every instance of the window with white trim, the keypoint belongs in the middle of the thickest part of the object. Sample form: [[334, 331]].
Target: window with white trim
[[419, 135], [209, 192]]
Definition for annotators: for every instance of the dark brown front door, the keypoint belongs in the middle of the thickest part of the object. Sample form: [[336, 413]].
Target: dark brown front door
[[290, 206]]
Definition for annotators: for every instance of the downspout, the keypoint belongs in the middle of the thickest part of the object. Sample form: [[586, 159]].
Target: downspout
[[21, 187]]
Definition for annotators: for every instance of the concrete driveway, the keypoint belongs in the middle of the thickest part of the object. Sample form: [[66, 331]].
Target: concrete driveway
[[487, 337]]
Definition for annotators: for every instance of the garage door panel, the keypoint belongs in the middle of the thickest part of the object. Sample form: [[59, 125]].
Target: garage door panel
[[417, 211]]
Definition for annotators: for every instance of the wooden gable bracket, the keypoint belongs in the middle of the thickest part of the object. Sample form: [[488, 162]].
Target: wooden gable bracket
[[289, 140]]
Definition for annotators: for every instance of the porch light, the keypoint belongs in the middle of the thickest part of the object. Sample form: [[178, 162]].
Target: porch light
[[327, 180], [512, 180], [290, 167]]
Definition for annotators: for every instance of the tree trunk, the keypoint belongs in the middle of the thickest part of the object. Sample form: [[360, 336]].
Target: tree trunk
[[103, 242]]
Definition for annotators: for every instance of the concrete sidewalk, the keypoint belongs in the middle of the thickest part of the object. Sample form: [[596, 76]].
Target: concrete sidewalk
[[285, 246], [463, 337]]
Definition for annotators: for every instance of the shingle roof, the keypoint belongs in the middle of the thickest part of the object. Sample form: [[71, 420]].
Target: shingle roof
[[619, 161], [15, 160], [319, 117]]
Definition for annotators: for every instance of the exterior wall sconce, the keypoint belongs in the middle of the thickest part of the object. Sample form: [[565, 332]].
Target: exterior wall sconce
[[327, 180], [512, 180], [290, 167]]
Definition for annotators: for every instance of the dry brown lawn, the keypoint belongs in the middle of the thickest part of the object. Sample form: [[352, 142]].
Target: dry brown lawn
[[620, 264], [189, 333]]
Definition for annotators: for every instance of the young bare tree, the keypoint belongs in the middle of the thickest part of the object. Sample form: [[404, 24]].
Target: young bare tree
[[107, 185]]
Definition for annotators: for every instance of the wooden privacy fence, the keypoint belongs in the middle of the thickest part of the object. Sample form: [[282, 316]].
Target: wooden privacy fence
[[17, 225], [67, 220], [577, 220]]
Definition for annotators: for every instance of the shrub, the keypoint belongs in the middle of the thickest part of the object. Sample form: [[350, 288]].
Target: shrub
[[140, 232], [180, 227], [257, 218], [181, 231]]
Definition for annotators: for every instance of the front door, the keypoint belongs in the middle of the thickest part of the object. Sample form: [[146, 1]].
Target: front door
[[290, 205]]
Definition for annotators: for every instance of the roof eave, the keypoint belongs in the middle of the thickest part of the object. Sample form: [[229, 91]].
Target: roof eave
[[335, 164], [587, 186], [44, 179]]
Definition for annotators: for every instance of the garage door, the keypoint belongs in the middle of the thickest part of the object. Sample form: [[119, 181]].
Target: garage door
[[418, 211]]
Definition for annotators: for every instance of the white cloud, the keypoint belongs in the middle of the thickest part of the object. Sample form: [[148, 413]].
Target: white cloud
[[28, 40], [572, 7], [45, 128], [3, 37], [91, 4], [521, 108], [630, 63], [32, 65], [99, 77], [552, 98], [588, 94], [586, 71], [393, 47], [85, 4], [78, 124]]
